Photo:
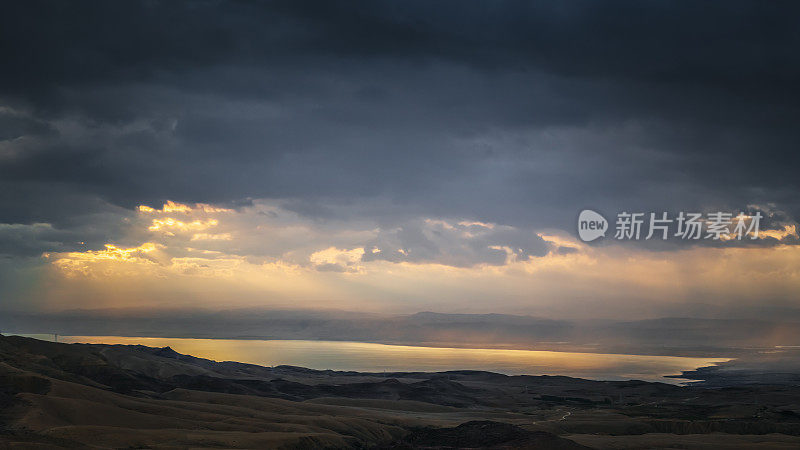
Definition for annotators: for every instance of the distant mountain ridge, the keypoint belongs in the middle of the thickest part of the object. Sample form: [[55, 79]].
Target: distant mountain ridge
[[664, 336]]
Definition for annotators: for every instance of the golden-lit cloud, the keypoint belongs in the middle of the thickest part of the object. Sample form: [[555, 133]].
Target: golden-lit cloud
[[146, 209], [171, 207], [562, 241], [114, 253], [265, 256], [787, 231], [212, 237], [170, 224], [779, 234], [85, 263], [339, 260], [473, 223]]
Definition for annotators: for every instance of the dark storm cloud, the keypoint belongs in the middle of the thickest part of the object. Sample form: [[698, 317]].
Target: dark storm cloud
[[713, 42], [13, 126], [459, 244], [517, 113]]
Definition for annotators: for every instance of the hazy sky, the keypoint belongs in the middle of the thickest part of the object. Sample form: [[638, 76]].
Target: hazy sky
[[395, 156]]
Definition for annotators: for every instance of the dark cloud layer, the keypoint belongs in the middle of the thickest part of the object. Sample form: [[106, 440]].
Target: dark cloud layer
[[516, 113]]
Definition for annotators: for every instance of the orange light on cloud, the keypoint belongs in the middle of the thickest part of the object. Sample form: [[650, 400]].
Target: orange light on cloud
[[249, 258], [465, 223], [788, 230], [74, 264], [212, 237], [347, 260], [114, 253], [562, 241], [777, 234], [169, 223], [172, 207]]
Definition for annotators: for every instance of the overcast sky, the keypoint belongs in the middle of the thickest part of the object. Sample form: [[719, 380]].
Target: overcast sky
[[394, 156]]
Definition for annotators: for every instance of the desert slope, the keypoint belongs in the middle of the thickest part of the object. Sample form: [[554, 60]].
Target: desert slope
[[102, 396]]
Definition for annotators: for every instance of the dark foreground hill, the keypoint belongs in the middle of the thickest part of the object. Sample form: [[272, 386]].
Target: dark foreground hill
[[109, 396]]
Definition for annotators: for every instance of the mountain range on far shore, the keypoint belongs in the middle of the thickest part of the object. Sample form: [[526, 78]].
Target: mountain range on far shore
[[664, 336]]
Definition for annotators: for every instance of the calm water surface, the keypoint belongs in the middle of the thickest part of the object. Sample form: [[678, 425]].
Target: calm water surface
[[366, 357]]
